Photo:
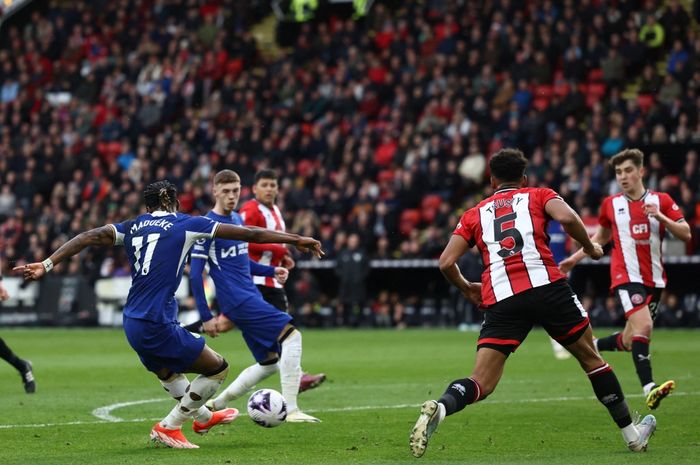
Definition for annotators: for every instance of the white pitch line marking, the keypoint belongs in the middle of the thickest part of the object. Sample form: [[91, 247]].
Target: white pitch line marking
[[107, 417], [104, 413]]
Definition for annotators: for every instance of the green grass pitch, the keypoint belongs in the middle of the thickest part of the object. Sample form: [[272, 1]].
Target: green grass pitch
[[543, 412]]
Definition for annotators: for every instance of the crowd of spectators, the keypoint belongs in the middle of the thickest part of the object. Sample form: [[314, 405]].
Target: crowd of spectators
[[380, 127]]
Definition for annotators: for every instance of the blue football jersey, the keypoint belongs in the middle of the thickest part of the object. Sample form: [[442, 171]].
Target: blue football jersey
[[229, 264], [157, 245], [557, 241]]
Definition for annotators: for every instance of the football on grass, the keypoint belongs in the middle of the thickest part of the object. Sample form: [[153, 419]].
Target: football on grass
[[267, 408]]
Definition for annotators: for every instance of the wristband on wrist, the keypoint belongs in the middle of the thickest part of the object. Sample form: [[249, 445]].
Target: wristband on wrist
[[48, 264]]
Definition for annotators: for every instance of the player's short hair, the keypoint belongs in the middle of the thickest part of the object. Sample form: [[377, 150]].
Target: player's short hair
[[226, 177], [265, 174], [636, 155], [508, 165], [161, 194]]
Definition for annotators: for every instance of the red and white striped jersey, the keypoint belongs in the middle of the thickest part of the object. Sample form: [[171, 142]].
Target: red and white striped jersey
[[255, 213], [510, 230], [637, 238]]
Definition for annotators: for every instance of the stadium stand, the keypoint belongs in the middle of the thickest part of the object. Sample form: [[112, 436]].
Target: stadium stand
[[380, 126]]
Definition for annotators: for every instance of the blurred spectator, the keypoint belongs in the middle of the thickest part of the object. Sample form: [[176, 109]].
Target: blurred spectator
[[650, 82], [677, 59], [652, 36], [607, 315], [670, 90], [675, 21], [8, 201], [352, 270], [613, 67]]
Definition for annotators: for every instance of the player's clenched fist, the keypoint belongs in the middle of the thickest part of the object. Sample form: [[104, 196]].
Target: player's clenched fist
[[595, 251]]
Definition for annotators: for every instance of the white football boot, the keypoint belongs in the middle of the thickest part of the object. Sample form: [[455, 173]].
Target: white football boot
[[646, 428], [431, 414], [297, 416]]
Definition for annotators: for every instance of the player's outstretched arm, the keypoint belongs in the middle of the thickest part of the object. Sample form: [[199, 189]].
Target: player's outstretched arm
[[560, 211], [200, 299], [265, 236], [448, 266], [102, 236], [258, 269], [602, 236]]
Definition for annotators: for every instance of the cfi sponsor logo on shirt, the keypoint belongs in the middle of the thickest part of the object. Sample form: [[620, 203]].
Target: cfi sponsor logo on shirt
[[640, 230]]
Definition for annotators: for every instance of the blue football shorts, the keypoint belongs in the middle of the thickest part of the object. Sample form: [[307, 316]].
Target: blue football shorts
[[163, 345], [260, 323]]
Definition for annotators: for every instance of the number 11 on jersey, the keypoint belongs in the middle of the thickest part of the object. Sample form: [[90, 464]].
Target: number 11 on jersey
[[137, 244]]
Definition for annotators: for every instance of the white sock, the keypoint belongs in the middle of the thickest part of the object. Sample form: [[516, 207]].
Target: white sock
[[242, 384], [630, 433], [648, 387], [290, 369], [442, 413], [200, 390], [202, 415], [175, 418], [175, 385]]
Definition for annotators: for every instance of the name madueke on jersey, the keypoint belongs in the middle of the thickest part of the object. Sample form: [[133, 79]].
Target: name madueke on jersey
[[161, 223]]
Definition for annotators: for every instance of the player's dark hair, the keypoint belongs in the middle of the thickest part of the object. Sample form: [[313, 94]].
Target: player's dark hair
[[508, 165], [635, 155], [265, 174], [160, 195], [226, 177]]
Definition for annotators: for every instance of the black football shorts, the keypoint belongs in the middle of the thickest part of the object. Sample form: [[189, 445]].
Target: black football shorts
[[553, 306], [636, 296]]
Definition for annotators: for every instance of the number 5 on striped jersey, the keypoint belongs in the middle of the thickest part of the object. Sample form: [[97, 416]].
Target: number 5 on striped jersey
[[501, 234]]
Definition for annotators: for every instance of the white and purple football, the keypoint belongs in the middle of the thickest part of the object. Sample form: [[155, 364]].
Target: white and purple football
[[267, 408]]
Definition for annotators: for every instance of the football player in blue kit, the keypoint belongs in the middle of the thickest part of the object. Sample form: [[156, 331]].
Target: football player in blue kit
[[272, 339], [157, 244]]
